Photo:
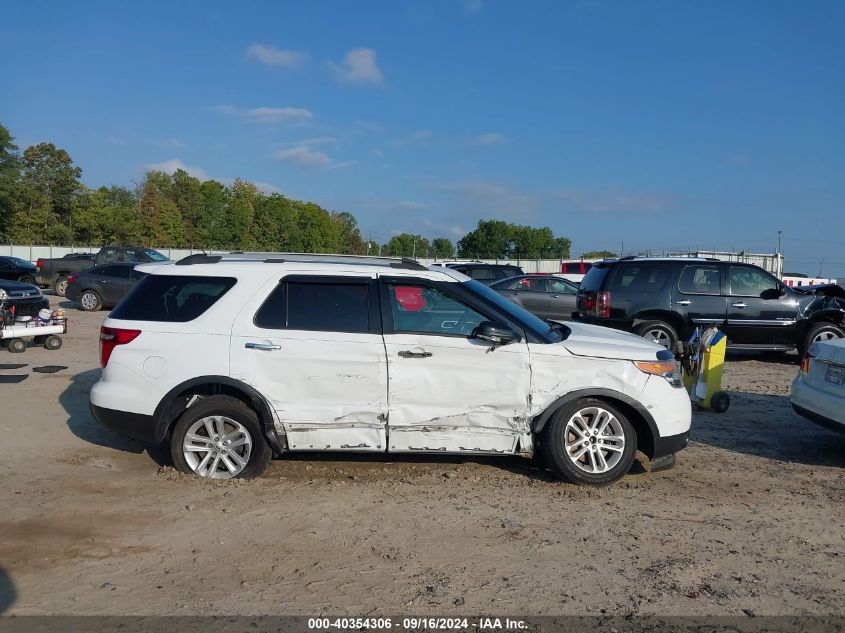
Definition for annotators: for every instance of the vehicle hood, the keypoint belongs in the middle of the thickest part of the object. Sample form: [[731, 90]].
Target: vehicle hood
[[604, 342], [17, 286]]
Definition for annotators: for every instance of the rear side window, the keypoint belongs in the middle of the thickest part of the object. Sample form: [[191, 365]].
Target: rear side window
[[594, 279], [645, 277], [172, 298], [118, 272], [511, 272], [481, 274], [321, 306], [700, 280]]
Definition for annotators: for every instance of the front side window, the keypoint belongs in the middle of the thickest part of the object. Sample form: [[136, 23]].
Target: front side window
[[525, 283], [750, 282], [560, 286], [700, 280], [109, 255], [317, 306], [172, 298], [432, 311]]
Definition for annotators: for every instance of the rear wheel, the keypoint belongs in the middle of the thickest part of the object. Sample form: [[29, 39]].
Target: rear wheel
[[589, 441], [17, 346], [659, 332], [90, 301], [53, 342], [26, 279], [60, 286], [219, 438]]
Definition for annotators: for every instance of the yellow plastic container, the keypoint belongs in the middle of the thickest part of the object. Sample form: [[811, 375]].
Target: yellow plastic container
[[710, 371]]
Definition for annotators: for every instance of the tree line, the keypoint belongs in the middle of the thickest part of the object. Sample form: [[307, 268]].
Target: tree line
[[43, 201]]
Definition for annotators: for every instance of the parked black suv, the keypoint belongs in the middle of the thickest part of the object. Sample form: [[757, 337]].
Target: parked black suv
[[666, 299], [486, 273]]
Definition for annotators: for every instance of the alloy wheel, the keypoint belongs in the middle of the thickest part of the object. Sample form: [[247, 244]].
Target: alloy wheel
[[217, 447], [825, 335], [594, 440], [659, 336], [88, 301]]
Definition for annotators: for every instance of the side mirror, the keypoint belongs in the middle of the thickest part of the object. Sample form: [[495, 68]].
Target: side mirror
[[495, 333], [773, 293]]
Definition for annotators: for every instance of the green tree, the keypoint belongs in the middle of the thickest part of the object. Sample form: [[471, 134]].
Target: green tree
[[50, 178], [443, 248], [9, 178], [598, 255], [502, 240], [407, 245]]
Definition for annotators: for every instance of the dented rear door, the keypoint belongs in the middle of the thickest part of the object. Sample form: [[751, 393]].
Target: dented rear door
[[449, 392]]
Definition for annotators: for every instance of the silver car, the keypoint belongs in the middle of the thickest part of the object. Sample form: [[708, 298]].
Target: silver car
[[547, 296]]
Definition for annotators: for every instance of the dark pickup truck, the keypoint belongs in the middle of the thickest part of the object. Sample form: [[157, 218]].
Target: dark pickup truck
[[53, 273]]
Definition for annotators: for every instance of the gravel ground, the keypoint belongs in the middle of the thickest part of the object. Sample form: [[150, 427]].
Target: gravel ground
[[750, 521]]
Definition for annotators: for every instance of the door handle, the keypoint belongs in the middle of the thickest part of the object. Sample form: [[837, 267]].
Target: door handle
[[406, 353], [683, 302], [739, 304], [555, 296], [267, 347]]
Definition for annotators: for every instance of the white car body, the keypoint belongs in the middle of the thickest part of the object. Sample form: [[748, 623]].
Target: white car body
[[342, 391], [818, 391]]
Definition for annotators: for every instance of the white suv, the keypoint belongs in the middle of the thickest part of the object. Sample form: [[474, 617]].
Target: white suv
[[233, 359]]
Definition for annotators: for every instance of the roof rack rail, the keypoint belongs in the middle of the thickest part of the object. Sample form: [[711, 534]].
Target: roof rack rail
[[199, 258]]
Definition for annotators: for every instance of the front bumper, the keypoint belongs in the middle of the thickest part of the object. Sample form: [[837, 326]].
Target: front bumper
[[135, 425], [669, 445], [28, 307]]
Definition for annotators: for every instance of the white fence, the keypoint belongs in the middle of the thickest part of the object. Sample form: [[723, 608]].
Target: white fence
[[770, 262]]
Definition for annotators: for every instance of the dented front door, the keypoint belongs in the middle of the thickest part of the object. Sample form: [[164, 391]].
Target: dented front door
[[449, 392], [314, 349]]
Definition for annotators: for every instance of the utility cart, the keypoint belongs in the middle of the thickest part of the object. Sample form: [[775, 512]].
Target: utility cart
[[702, 361], [44, 330]]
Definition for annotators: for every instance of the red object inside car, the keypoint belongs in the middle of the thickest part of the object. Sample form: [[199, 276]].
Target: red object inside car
[[410, 298]]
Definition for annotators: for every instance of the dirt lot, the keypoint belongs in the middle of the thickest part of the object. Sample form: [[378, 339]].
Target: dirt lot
[[749, 521]]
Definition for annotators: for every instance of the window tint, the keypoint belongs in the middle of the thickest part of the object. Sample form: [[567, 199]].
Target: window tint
[[645, 277], [432, 312], [115, 272], [700, 280], [134, 255], [511, 272], [482, 274], [524, 283], [331, 307], [109, 255], [750, 282], [136, 274], [172, 298], [560, 286]]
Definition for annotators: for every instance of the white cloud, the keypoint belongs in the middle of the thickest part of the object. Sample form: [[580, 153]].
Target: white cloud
[[305, 156], [115, 140], [613, 201], [359, 66], [170, 166], [489, 138], [171, 143], [271, 56], [266, 115], [414, 138], [409, 204]]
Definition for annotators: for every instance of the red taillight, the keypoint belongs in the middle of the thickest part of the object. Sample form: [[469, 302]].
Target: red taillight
[[805, 363], [603, 305], [72, 278], [111, 337], [39, 264]]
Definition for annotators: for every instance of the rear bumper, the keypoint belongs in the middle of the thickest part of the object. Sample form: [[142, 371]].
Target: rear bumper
[[135, 425], [821, 420], [820, 406]]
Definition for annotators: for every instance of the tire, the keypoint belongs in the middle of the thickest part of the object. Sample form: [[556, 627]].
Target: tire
[[821, 331], [240, 423], [27, 279], [561, 442], [60, 286], [53, 342], [659, 332], [90, 301], [17, 346], [720, 402]]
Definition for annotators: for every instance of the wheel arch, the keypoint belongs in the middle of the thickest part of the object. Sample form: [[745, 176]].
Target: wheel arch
[[176, 402], [637, 414], [672, 318]]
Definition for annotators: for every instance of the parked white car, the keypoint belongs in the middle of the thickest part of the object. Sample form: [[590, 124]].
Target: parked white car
[[818, 391], [233, 359]]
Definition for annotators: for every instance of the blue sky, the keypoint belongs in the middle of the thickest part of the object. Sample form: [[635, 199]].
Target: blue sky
[[658, 124]]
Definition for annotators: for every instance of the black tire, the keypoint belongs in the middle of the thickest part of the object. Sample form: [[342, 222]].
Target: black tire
[[60, 286], [95, 302], [720, 402], [555, 451], [27, 279], [660, 332], [17, 346], [53, 342], [822, 328], [234, 409]]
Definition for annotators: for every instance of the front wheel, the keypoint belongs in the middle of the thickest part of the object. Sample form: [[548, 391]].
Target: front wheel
[[27, 279], [589, 441], [822, 332], [219, 438], [90, 301], [659, 332], [17, 346], [60, 287], [53, 342]]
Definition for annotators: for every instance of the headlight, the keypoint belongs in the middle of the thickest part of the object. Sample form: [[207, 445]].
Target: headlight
[[3, 294], [667, 369]]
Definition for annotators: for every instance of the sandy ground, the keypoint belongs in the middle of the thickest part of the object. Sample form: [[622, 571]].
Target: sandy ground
[[749, 521]]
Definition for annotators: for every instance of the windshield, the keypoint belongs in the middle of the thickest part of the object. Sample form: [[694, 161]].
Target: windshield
[[17, 261], [155, 255], [540, 328]]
